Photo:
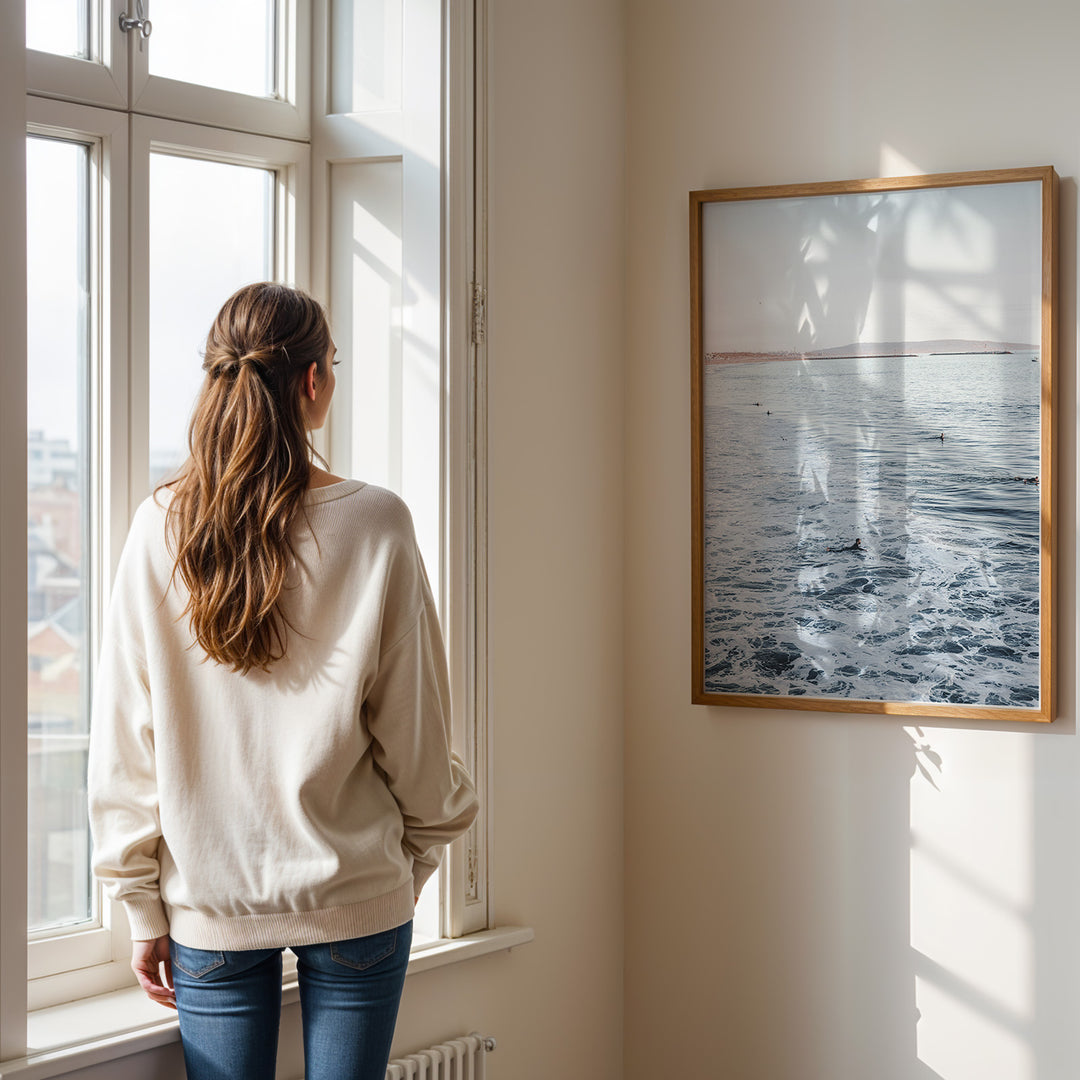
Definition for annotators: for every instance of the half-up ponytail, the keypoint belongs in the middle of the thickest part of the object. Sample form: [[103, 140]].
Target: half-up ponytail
[[236, 499]]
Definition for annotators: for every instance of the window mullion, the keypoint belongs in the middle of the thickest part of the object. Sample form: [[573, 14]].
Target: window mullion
[[13, 547], [137, 317]]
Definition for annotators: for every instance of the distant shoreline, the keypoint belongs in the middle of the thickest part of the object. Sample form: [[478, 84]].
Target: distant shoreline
[[879, 350]]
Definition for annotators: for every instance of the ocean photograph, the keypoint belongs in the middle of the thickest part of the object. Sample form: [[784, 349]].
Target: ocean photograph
[[871, 479]]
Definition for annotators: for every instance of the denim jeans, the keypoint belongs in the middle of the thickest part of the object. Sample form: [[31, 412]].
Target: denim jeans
[[230, 1007]]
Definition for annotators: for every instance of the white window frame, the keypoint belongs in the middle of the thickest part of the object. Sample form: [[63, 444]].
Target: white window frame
[[470, 902], [104, 83]]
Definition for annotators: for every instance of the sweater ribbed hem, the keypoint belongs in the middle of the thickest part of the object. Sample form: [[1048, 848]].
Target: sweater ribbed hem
[[282, 929]]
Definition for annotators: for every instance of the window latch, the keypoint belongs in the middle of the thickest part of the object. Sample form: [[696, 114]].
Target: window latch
[[142, 24]]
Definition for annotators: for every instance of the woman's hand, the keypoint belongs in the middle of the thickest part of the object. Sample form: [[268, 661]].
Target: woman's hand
[[150, 962]]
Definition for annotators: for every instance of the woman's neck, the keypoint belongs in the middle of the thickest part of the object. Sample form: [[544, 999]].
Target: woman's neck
[[321, 478]]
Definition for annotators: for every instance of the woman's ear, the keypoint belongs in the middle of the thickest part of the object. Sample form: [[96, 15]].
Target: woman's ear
[[309, 380]]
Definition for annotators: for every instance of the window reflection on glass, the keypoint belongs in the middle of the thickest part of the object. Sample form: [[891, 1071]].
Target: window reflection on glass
[[58, 501], [58, 26], [211, 231], [229, 46]]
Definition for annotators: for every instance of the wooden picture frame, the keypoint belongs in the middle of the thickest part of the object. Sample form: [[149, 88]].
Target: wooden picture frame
[[872, 424]]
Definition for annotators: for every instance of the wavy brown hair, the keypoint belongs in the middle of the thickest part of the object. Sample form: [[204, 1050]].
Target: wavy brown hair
[[238, 494]]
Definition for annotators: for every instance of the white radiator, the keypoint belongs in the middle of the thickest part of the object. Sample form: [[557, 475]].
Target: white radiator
[[457, 1059]]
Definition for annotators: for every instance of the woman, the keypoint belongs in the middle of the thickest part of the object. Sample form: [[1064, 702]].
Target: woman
[[270, 759]]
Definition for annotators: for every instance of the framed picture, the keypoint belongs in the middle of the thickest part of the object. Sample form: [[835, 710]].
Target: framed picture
[[873, 387]]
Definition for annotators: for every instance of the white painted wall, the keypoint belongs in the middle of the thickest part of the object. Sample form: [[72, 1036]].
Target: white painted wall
[[801, 901]]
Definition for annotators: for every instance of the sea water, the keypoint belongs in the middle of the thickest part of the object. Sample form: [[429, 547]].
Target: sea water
[[923, 460]]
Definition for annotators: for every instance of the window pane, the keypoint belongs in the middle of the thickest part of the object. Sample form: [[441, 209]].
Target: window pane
[[58, 26], [228, 46], [58, 501], [211, 231]]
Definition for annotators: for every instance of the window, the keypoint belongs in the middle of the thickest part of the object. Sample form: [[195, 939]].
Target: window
[[142, 154]]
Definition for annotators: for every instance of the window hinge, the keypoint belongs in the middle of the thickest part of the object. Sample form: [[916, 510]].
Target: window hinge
[[473, 868], [479, 313]]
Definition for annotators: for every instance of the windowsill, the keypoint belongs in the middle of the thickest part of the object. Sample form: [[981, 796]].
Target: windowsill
[[83, 1033]]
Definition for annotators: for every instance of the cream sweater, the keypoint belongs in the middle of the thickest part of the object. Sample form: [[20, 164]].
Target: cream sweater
[[304, 805]]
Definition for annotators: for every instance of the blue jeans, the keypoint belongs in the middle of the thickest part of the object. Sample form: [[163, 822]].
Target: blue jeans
[[230, 1007]]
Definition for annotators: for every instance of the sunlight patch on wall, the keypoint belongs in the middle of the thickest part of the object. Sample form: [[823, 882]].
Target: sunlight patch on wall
[[894, 163], [962, 1043], [971, 900]]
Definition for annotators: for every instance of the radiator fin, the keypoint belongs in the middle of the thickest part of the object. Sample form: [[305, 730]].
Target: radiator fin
[[456, 1059]]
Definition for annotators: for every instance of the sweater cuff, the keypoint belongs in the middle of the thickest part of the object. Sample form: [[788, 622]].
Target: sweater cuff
[[146, 919], [421, 871]]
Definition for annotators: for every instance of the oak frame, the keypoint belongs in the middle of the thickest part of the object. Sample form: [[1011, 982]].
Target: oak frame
[[1045, 709]]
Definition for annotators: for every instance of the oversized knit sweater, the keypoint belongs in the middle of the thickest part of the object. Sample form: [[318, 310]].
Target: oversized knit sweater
[[301, 805]]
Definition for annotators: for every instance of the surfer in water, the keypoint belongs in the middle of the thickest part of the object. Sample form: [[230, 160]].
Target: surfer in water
[[857, 546]]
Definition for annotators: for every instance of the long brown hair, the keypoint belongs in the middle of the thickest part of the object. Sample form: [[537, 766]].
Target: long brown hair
[[243, 485]]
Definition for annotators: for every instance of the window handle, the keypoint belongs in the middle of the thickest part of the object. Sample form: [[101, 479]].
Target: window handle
[[142, 24]]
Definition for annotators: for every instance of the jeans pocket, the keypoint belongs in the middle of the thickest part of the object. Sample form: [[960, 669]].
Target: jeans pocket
[[195, 962], [364, 952]]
